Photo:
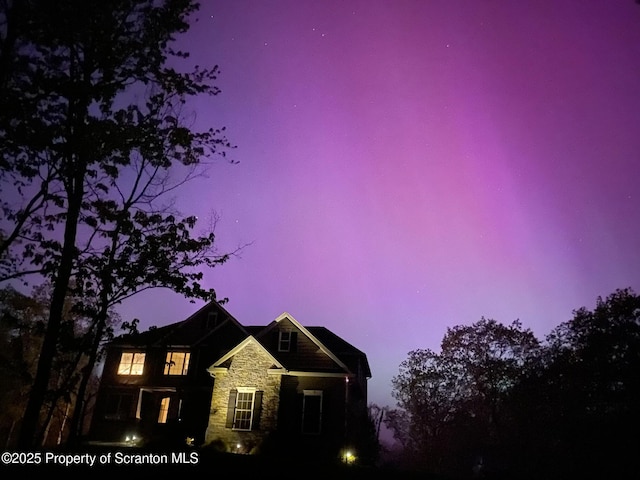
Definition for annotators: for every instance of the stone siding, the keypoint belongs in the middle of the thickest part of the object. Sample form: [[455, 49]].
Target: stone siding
[[248, 368]]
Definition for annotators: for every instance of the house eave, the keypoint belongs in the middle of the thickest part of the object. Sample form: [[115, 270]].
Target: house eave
[[240, 346], [313, 338], [219, 371], [215, 371], [300, 373]]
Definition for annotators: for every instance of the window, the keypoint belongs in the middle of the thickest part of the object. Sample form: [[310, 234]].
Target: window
[[177, 363], [287, 341], [244, 410], [312, 412], [245, 405], [118, 406], [131, 363], [164, 410], [212, 320]]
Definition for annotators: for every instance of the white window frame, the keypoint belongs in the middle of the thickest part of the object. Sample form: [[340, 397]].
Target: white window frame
[[284, 341], [312, 393], [244, 410], [131, 363], [172, 367]]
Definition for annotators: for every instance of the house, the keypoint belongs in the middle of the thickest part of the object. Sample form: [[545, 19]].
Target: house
[[155, 384], [209, 380]]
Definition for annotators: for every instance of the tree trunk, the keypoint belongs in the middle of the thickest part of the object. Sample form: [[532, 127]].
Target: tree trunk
[[101, 322], [49, 346], [75, 426], [8, 442], [64, 421]]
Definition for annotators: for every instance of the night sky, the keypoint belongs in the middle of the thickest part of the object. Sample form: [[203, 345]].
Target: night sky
[[408, 166]]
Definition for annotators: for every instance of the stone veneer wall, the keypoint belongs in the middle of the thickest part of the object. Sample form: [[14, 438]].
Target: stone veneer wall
[[248, 368]]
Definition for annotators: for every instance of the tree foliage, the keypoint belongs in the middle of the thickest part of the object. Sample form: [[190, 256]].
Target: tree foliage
[[578, 408], [93, 137], [23, 319], [452, 401], [498, 399]]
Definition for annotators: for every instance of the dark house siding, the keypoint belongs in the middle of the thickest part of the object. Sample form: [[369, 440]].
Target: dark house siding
[[278, 409], [305, 355], [333, 434]]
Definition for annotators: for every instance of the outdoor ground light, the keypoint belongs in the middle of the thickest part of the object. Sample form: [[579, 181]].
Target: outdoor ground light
[[348, 457]]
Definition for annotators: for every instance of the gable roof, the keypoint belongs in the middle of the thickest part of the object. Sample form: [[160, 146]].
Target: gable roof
[[179, 333], [345, 356], [349, 354], [247, 341], [341, 352]]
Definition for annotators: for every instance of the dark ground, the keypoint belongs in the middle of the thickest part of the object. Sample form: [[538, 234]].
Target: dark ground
[[194, 463], [187, 463]]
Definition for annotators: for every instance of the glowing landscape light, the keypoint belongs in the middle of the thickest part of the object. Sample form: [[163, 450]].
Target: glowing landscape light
[[348, 457]]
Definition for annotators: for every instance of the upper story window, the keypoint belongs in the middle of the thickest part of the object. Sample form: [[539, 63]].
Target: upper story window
[[177, 363], [287, 341], [131, 363], [212, 320]]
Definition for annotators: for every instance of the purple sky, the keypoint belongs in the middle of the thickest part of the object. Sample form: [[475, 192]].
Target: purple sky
[[408, 166]]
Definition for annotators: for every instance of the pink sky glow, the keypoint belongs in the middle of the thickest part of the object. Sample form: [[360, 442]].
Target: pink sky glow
[[408, 166]]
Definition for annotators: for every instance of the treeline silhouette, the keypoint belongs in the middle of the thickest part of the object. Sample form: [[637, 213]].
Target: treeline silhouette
[[497, 402]]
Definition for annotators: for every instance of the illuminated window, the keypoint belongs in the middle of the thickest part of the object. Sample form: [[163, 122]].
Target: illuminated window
[[177, 363], [287, 341], [164, 410], [244, 409], [131, 363], [312, 412]]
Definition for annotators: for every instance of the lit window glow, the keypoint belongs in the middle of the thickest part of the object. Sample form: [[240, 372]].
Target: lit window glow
[[131, 363], [164, 410], [177, 363]]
